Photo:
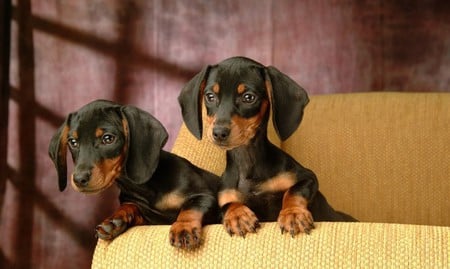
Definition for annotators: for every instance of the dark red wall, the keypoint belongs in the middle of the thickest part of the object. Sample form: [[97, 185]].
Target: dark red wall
[[67, 53]]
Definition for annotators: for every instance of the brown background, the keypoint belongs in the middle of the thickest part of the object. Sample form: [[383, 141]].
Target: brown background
[[67, 53]]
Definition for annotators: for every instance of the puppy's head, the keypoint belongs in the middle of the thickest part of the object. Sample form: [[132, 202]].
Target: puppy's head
[[237, 94], [107, 140]]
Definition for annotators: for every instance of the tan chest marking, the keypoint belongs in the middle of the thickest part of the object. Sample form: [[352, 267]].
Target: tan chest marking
[[172, 200], [279, 183], [229, 196]]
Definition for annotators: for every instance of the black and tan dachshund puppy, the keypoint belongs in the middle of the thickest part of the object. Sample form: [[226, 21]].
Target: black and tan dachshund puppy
[[111, 143], [260, 181]]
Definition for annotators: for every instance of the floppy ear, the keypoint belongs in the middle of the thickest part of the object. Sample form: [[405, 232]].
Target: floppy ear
[[190, 100], [288, 99], [145, 137], [58, 152]]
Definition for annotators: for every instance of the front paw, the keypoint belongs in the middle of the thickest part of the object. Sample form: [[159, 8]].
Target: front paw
[[111, 228], [185, 234], [239, 219], [295, 220]]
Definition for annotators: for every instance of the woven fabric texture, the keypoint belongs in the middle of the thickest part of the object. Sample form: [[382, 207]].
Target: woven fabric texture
[[330, 245]]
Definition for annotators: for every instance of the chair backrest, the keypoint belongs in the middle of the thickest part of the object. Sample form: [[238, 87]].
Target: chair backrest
[[381, 157]]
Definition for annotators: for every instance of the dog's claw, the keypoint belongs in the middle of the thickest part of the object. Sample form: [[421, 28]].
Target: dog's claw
[[195, 234], [229, 231], [117, 222], [241, 233], [107, 228]]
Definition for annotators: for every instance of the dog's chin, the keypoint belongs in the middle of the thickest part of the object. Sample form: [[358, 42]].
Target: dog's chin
[[225, 145], [92, 189]]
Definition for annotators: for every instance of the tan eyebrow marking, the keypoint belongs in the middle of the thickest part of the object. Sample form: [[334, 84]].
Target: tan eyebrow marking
[[99, 132], [216, 88], [241, 88]]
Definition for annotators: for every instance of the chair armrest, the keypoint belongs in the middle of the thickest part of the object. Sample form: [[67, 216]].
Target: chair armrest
[[330, 245]]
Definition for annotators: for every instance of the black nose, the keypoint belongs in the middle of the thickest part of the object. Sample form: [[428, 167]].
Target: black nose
[[221, 133], [81, 179]]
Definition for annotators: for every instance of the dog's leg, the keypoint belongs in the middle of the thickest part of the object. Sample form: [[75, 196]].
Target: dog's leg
[[128, 215], [186, 231], [237, 217], [294, 216]]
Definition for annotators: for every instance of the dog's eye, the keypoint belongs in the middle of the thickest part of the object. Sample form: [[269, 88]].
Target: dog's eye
[[248, 98], [73, 143], [108, 139], [210, 97]]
